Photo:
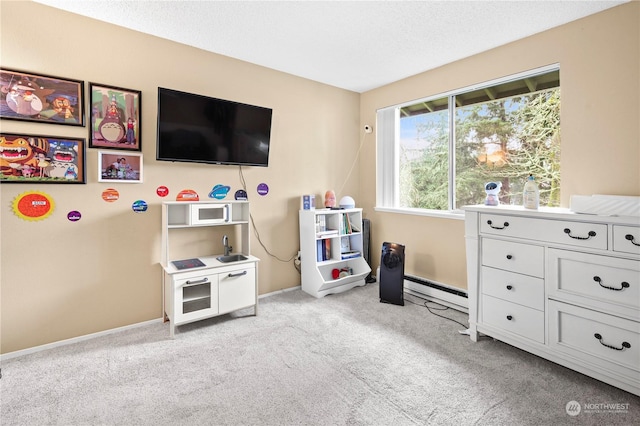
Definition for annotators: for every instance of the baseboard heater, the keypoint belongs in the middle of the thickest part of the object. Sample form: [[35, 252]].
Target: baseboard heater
[[439, 293]]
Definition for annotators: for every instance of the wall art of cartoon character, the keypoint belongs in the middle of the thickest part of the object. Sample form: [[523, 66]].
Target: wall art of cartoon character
[[24, 96], [29, 97], [21, 156], [63, 160], [112, 128], [61, 108]]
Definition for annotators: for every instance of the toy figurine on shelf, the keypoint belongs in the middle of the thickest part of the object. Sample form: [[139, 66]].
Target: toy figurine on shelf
[[492, 189], [329, 199]]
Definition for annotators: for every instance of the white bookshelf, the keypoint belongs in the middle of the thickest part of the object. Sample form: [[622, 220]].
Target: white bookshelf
[[337, 234]]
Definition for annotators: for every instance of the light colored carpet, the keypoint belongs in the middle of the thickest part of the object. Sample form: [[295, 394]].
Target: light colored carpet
[[345, 359]]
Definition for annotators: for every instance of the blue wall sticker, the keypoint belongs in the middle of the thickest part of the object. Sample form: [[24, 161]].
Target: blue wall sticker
[[241, 195], [139, 206], [219, 192]]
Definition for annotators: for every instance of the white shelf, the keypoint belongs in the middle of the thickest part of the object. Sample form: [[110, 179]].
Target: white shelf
[[317, 272]]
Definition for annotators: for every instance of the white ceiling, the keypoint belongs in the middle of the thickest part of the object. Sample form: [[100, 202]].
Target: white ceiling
[[354, 45]]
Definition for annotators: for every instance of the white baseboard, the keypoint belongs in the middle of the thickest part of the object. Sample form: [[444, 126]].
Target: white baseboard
[[65, 342], [73, 340], [273, 293], [436, 295]]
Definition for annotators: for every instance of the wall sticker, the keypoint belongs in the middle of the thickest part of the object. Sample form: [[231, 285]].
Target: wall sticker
[[263, 189], [187, 195], [33, 205], [162, 191], [110, 195], [139, 206], [74, 216], [241, 195], [219, 192]]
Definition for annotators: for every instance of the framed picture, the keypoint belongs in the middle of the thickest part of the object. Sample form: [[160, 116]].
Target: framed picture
[[41, 159], [115, 118], [123, 167], [41, 98]]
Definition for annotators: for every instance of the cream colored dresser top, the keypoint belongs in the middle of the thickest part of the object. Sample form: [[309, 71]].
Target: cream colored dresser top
[[561, 285]]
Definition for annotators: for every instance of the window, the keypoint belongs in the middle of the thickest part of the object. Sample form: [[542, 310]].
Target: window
[[437, 153]]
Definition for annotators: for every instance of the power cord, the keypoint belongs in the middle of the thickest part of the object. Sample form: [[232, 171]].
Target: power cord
[[296, 258], [443, 308], [257, 234], [346, 179]]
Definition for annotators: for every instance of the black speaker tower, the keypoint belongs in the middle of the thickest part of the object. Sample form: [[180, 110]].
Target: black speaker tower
[[392, 274]]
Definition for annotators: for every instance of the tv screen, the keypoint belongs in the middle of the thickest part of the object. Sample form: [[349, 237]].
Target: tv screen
[[201, 129]]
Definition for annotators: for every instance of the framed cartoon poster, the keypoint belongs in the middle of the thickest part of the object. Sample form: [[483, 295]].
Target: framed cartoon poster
[[41, 159], [122, 167], [41, 98], [115, 118]]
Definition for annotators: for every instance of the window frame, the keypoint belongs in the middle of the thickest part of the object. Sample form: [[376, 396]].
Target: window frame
[[387, 161]]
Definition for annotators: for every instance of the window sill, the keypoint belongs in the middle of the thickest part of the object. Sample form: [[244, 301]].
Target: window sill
[[449, 214]]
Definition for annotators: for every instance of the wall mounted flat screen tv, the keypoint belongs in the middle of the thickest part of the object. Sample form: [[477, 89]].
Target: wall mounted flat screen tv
[[201, 129]]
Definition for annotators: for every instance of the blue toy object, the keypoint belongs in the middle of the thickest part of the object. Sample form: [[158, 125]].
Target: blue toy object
[[492, 189]]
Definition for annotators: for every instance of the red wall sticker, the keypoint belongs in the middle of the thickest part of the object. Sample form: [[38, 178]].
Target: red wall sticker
[[33, 205]]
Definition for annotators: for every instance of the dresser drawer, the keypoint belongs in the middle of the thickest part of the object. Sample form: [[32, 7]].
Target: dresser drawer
[[580, 234], [517, 288], [626, 239], [603, 282], [606, 340], [515, 257], [514, 318]]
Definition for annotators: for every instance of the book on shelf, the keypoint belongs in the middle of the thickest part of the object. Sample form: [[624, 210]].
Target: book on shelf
[[327, 249], [345, 244], [350, 254], [327, 233], [323, 250], [321, 223], [346, 224]]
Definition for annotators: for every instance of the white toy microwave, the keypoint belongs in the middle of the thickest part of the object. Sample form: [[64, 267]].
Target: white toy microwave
[[207, 214]]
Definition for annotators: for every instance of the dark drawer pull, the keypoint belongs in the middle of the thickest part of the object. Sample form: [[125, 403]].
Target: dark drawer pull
[[497, 227], [239, 274], [575, 237], [632, 239], [509, 257], [624, 284], [625, 345], [509, 317], [509, 287]]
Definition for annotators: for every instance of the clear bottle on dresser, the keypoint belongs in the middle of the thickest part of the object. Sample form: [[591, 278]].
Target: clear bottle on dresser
[[531, 194]]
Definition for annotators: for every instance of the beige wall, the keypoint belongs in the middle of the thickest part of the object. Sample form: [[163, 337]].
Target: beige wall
[[61, 279], [599, 59]]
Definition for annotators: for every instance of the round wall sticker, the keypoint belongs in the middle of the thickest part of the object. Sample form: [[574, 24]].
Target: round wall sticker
[[33, 205], [110, 195], [139, 206], [187, 195], [241, 195], [74, 216], [263, 189], [162, 191]]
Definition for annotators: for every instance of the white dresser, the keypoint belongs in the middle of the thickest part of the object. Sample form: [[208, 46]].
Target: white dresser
[[560, 285]]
